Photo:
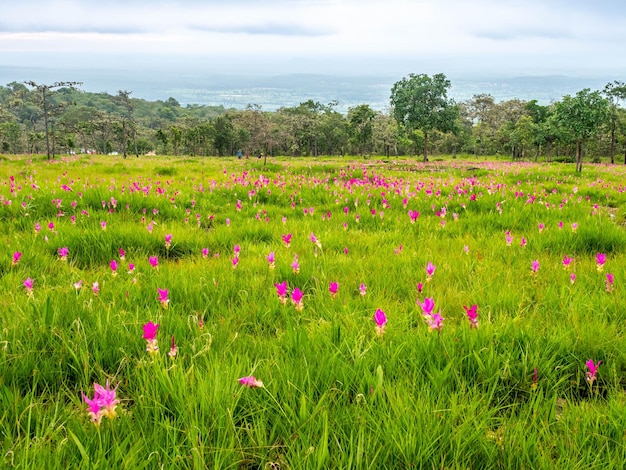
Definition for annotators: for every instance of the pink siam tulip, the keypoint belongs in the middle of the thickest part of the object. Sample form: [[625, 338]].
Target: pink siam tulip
[[163, 297], [29, 286], [168, 241], [173, 349], [560, 225], [609, 282], [95, 288], [508, 238], [78, 285], [435, 321], [541, 226], [251, 381], [315, 240], [427, 306], [287, 239], [430, 270], [592, 371], [574, 227], [413, 215], [472, 315], [113, 266], [296, 298], [235, 261], [205, 253], [600, 260], [37, 228], [16, 258], [534, 267], [103, 403], [420, 287], [567, 262], [154, 261], [150, 331], [63, 252], [103, 225], [295, 265], [51, 226], [572, 278], [281, 290], [466, 249], [362, 290], [122, 254], [523, 242], [237, 250], [381, 320], [333, 288], [131, 268], [271, 259], [228, 222]]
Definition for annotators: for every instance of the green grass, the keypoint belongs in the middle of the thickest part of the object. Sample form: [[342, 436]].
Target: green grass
[[336, 394]]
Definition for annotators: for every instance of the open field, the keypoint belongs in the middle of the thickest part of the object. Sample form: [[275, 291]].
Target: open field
[[372, 375]]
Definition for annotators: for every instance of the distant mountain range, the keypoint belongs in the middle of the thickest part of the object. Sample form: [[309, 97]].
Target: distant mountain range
[[286, 90]]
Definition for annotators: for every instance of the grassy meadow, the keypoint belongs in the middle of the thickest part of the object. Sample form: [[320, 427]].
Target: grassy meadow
[[362, 371]]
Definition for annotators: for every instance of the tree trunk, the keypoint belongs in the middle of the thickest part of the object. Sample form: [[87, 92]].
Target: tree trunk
[[579, 156], [612, 151], [425, 146]]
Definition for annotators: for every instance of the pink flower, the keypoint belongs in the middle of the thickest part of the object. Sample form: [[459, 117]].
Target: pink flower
[[173, 349], [560, 225], [103, 224], [154, 261], [113, 265], [535, 266], [63, 252], [250, 381], [609, 282], [600, 260], [567, 261], [51, 226], [205, 253], [333, 288], [29, 285], [466, 249], [427, 306], [540, 226], [235, 261], [296, 298], [381, 320], [238, 205], [103, 403], [16, 258], [237, 250], [295, 265], [508, 237], [472, 315], [572, 278], [430, 270], [593, 370], [163, 297], [150, 331], [78, 285], [95, 287], [574, 227], [315, 240], [413, 215], [523, 243], [362, 290], [435, 321], [420, 287], [228, 222], [122, 254], [287, 239], [168, 241], [131, 268], [281, 290], [271, 259]]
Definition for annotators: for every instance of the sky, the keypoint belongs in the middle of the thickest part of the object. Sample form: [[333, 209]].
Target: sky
[[454, 37]]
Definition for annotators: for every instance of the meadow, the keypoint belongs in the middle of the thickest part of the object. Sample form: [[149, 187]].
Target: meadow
[[336, 313]]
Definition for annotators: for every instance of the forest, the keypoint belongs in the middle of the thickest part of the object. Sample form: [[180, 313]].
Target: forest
[[60, 118]]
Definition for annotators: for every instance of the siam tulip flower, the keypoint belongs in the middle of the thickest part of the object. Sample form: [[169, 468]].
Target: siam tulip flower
[[205, 253], [103, 225], [295, 265], [168, 241], [523, 242], [51, 226], [150, 331], [287, 239], [95, 287], [430, 270], [73, 219], [609, 282], [435, 321], [346, 210], [541, 226], [154, 261], [113, 267], [296, 298], [427, 306], [150, 227], [381, 320], [237, 250], [362, 290], [574, 227], [567, 262], [593, 370], [16, 258], [466, 249], [78, 285], [508, 237], [238, 205], [37, 228], [398, 250], [271, 259], [560, 225], [535, 266], [235, 261], [534, 384], [250, 381], [163, 297], [600, 260], [420, 287], [228, 222], [122, 254], [131, 268], [413, 215], [357, 218], [572, 278], [63, 252], [333, 288], [284, 220], [107, 400], [93, 409], [29, 286], [281, 290], [315, 240], [173, 349], [472, 315]]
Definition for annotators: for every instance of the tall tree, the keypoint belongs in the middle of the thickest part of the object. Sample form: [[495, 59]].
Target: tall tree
[[50, 108], [580, 118], [420, 102], [615, 92], [127, 120], [361, 119]]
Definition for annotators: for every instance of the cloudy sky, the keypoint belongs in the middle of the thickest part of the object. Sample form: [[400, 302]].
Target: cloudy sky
[[580, 37]]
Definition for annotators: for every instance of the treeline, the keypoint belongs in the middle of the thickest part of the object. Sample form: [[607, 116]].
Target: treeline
[[60, 118]]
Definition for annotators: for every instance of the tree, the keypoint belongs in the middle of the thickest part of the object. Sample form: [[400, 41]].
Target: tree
[[580, 118], [127, 120], [49, 107], [615, 92], [361, 119], [420, 102]]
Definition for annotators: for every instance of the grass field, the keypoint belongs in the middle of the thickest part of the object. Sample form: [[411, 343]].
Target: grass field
[[382, 363]]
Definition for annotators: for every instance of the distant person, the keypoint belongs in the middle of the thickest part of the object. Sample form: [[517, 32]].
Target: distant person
[[239, 154]]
